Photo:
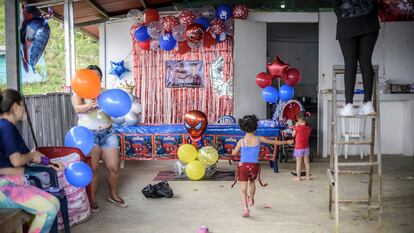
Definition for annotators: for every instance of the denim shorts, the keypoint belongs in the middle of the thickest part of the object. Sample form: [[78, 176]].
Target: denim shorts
[[301, 152], [106, 138]]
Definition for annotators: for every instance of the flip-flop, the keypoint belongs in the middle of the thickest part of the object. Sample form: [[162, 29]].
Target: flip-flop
[[120, 203], [94, 208]]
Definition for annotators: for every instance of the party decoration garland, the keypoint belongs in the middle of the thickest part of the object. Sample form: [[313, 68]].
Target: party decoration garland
[[203, 28]]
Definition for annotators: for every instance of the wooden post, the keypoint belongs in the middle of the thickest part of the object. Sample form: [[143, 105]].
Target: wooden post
[[12, 44]]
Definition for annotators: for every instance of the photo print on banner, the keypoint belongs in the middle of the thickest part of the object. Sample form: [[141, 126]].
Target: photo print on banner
[[184, 74]]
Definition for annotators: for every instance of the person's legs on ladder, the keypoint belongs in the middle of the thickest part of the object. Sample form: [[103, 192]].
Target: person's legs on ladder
[[349, 47], [365, 49]]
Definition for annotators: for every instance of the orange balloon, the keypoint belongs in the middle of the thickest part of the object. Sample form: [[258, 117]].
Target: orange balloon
[[86, 84]]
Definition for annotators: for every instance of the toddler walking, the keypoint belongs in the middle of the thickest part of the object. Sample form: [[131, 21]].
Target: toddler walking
[[249, 168]]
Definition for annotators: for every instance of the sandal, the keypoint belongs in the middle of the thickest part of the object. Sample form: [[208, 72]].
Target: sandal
[[94, 208], [246, 213], [120, 203]]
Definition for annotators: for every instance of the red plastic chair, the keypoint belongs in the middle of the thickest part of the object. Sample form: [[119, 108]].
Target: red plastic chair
[[57, 152]]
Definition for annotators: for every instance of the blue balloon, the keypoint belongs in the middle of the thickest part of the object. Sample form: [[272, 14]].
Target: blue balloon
[[203, 22], [286, 92], [141, 34], [81, 138], [78, 174], [167, 42], [270, 94], [115, 102], [223, 12]]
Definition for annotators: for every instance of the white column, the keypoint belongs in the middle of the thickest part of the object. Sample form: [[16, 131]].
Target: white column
[[69, 41]]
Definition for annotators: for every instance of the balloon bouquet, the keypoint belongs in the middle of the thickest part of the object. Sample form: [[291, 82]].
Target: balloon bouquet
[[278, 70], [188, 31], [114, 102], [195, 165]]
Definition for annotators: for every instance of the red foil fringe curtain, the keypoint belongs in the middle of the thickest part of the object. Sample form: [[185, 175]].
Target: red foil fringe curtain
[[161, 105]]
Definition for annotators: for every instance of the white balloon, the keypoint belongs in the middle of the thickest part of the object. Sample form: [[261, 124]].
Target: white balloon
[[131, 119], [136, 107], [179, 169], [118, 120]]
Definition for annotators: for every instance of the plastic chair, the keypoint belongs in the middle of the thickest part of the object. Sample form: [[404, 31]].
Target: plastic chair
[[353, 130], [56, 152], [54, 189]]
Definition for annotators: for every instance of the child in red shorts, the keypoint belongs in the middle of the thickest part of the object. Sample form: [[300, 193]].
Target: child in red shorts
[[249, 168], [301, 133]]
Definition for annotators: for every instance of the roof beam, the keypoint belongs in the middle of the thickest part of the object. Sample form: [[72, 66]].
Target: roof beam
[[89, 23], [99, 8]]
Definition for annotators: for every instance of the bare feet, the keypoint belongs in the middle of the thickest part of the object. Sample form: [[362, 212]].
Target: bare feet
[[246, 213], [297, 178], [309, 178], [251, 201]]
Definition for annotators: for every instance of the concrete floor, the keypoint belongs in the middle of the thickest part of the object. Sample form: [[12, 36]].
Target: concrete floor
[[298, 207]]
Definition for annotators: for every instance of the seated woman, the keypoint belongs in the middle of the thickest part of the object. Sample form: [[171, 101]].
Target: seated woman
[[15, 190]]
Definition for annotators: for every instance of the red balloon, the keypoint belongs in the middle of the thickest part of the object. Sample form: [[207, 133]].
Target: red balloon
[[277, 68], [183, 47], [292, 77], [169, 22], [194, 33], [240, 11], [186, 17], [217, 26], [263, 79], [145, 45], [151, 15], [208, 40]]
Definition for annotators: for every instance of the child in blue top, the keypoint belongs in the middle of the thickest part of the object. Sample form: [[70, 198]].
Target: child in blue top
[[249, 167]]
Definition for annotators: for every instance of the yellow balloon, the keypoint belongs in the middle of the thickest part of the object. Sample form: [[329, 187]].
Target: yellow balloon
[[195, 170], [187, 153], [208, 155]]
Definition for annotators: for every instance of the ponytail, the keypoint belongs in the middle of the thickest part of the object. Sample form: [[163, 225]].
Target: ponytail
[[305, 116]]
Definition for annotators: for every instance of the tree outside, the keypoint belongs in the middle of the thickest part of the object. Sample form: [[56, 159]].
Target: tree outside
[[86, 49]]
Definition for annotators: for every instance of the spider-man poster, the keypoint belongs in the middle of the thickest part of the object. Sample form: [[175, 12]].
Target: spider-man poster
[[166, 146], [396, 10], [138, 147]]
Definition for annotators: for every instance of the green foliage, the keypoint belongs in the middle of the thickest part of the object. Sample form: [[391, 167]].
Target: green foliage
[[86, 51]]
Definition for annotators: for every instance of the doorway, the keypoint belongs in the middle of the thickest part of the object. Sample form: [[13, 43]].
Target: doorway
[[297, 45]]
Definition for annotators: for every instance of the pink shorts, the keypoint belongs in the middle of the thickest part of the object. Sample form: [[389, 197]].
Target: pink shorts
[[301, 152]]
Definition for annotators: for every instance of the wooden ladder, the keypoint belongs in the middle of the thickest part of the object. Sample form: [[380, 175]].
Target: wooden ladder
[[336, 167]]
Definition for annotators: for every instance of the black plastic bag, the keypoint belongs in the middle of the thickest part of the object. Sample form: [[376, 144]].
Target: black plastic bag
[[162, 189]]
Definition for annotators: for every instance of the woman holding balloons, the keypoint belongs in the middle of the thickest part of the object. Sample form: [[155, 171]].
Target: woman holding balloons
[[15, 190], [87, 85]]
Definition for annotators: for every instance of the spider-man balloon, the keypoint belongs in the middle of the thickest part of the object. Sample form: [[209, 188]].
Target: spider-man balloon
[[195, 123]]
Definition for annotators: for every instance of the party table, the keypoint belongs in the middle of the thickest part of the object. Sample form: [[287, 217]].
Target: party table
[[161, 142]]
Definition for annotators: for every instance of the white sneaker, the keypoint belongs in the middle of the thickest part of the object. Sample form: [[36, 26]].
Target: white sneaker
[[366, 109], [348, 110]]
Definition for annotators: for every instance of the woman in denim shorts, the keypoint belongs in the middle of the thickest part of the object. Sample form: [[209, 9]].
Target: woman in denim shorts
[[106, 144]]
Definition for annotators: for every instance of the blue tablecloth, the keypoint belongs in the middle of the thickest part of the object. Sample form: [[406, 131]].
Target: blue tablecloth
[[212, 129]]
